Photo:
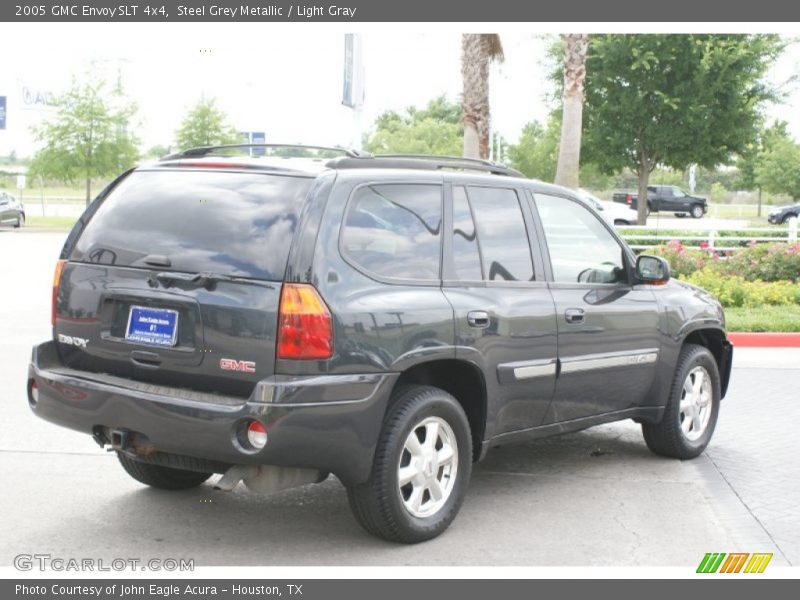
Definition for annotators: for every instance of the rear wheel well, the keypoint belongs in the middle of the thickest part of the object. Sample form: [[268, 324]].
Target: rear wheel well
[[460, 379]]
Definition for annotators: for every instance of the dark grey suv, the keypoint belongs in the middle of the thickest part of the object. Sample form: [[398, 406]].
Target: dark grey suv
[[383, 319]]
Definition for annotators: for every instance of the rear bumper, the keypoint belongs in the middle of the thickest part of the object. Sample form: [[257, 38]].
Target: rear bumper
[[330, 422]]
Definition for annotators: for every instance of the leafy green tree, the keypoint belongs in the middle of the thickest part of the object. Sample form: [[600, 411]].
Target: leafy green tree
[[435, 129], [89, 136], [673, 100], [205, 125], [536, 153], [778, 168], [157, 151]]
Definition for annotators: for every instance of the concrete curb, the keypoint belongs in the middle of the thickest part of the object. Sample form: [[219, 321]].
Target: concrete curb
[[764, 340]]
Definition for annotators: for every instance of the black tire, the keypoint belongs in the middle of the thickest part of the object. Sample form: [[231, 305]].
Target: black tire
[[680, 215], [20, 221], [164, 478], [697, 211], [787, 218], [378, 505], [667, 438]]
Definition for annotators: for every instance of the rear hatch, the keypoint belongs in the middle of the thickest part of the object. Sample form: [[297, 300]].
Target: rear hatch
[[176, 279]]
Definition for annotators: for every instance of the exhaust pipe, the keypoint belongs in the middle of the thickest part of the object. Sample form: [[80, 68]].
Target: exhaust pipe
[[267, 479]]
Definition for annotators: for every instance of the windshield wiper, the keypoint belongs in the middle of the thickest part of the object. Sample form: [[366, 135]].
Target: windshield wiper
[[192, 281]]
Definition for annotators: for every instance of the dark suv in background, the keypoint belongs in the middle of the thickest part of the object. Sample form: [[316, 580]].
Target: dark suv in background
[[385, 319], [12, 211]]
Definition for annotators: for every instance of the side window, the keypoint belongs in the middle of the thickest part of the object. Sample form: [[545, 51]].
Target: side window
[[395, 230], [503, 238], [466, 256], [581, 248]]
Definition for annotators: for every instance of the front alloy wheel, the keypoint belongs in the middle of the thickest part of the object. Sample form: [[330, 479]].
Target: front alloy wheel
[[690, 415], [695, 405], [697, 211]]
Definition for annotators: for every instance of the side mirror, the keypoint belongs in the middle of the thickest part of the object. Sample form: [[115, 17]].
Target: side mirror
[[652, 269]]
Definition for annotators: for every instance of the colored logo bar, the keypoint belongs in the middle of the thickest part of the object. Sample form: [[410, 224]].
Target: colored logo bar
[[734, 562]]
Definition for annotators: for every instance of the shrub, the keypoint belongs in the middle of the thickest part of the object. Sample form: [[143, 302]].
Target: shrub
[[733, 290], [684, 261], [766, 262], [757, 262]]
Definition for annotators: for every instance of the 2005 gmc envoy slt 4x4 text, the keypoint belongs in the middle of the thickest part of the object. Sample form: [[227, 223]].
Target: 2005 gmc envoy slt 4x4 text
[[385, 319]]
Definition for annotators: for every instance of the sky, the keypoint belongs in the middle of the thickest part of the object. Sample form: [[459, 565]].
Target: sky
[[283, 79]]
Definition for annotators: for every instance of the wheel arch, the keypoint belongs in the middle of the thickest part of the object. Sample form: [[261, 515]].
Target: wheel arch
[[459, 378], [719, 346]]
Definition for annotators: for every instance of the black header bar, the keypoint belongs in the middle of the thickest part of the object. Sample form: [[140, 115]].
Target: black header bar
[[365, 11]]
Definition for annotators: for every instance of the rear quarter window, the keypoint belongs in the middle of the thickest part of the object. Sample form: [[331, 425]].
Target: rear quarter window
[[394, 230], [231, 223]]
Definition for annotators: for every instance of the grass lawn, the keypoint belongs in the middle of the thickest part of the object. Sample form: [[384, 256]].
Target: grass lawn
[[37, 222], [764, 318]]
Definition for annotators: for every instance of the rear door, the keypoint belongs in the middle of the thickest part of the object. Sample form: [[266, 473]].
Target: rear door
[[505, 321], [608, 329], [176, 278]]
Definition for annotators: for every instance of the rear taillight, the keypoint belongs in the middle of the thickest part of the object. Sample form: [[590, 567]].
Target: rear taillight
[[56, 282], [304, 324]]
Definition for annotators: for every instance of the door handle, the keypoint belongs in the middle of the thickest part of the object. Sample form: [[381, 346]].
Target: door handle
[[574, 315], [478, 318]]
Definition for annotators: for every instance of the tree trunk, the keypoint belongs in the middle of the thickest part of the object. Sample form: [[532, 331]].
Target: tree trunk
[[478, 50], [471, 140], [88, 190], [641, 201], [569, 150]]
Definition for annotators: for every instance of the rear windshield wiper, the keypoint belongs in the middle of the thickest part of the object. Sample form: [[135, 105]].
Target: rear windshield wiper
[[192, 281]]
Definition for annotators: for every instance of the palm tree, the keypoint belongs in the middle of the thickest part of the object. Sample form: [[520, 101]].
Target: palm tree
[[569, 151], [478, 50]]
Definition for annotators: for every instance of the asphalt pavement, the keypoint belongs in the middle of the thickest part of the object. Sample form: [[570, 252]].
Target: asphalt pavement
[[598, 497]]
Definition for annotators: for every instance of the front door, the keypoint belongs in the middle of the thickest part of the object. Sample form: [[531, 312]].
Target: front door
[[608, 340]]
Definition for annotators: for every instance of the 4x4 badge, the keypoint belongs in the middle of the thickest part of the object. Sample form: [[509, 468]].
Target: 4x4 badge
[[229, 364]]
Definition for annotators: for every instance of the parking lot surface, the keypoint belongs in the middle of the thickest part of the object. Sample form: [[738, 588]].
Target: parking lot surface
[[598, 497]]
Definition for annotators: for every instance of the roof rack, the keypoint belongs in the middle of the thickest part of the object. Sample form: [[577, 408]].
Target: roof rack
[[421, 161], [211, 150]]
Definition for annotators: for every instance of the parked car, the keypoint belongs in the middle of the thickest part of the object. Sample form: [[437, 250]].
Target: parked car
[[611, 212], [783, 214], [666, 198], [12, 211], [384, 319]]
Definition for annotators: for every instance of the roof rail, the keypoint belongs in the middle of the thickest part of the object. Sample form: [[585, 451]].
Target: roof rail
[[422, 161], [210, 150]]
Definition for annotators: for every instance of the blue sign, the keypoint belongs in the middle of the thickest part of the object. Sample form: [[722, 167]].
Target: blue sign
[[258, 137], [154, 326], [2, 112]]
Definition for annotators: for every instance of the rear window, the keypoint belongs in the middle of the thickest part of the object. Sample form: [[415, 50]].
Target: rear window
[[238, 224]]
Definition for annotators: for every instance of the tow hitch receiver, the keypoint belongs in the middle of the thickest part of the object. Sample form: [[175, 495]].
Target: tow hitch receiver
[[120, 439]]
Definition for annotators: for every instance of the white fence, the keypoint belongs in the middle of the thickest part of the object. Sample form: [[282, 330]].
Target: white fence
[[715, 238]]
